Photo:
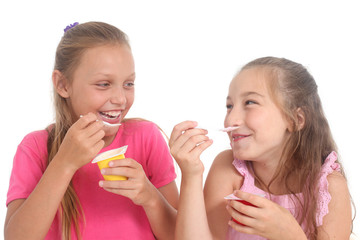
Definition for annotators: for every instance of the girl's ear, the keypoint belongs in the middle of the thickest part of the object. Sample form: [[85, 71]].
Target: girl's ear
[[299, 122], [300, 115], [60, 84]]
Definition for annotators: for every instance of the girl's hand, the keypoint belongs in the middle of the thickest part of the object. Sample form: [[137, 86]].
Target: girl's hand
[[137, 187], [268, 219], [186, 145], [82, 141]]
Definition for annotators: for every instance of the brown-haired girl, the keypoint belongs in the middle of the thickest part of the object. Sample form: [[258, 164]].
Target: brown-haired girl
[[55, 191], [283, 161]]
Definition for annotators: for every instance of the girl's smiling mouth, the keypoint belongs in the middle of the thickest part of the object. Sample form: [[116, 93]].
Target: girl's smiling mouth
[[238, 137], [110, 116]]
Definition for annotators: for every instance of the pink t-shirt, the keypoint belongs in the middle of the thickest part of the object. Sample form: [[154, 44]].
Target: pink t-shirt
[[285, 201], [108, 215]]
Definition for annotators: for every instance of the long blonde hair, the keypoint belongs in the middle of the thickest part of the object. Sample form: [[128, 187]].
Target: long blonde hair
[[292, 87], [70, 50]]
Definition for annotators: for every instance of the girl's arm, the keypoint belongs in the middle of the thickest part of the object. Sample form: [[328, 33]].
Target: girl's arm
[[222, 180], [191, 220], [161, 211], [31, 218], [186, 145], [337, 223]]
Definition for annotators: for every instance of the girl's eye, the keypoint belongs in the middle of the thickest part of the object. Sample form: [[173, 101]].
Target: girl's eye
[[250, 102], [129, 85], [103, 84], [229, 106]]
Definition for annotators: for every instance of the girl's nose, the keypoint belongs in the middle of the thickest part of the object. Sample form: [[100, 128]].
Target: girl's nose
[[234, 118], [118, 96]]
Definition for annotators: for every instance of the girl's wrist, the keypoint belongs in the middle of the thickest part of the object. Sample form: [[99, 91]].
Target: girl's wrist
[[191, 178], [154, 199], [66, 168]]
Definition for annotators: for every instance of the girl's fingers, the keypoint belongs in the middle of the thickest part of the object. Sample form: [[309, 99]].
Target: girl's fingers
[[123, 184], [99, 145], [240, 221], [125, 162], [254, 199], [126, 167], [179, 129], [93, 128], [122, 192], [95, 135], [85, 120], [189, 137], [120, 171], [194, 141], [200, 148], [242, 228]]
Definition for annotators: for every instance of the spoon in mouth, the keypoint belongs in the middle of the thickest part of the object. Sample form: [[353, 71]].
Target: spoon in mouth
[[227, 129], [111, 124], [107, 124]]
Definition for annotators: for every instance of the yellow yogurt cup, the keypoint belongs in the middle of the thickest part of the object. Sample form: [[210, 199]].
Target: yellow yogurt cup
[[104, 158]]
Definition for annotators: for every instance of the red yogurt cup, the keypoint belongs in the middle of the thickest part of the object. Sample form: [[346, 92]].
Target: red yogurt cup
[[246, 203]]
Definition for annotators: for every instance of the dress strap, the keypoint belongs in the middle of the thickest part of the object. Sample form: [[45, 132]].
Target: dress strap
[[249, 181]]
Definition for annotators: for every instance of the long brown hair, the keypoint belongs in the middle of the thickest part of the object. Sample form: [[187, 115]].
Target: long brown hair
[[293, 88], [70, 50]]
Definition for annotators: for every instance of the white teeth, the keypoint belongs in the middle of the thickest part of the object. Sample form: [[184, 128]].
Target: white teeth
[[111, 114]]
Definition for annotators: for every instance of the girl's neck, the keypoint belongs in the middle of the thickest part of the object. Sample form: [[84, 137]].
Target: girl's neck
[[264, 170], [264, 174], [108, 140]]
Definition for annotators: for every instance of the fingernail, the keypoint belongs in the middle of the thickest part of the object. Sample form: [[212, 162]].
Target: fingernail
[[101, 183], [102, 171], [111, 164]]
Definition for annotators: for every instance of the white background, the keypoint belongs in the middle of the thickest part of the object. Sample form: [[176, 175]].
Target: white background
[[186, 53]]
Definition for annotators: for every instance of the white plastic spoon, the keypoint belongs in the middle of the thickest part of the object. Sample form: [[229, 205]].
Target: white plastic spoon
[[227, 129], [111, 124], [108, 124]]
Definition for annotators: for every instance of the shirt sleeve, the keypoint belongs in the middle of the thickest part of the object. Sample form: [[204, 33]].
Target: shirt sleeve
[[160, 164], [28, 165]]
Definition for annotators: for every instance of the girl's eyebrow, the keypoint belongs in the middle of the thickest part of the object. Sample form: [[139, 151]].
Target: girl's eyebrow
[[246, 94], [103, 74]]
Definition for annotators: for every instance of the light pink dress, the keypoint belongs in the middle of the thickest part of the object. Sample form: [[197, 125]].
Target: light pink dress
[[285, 201]]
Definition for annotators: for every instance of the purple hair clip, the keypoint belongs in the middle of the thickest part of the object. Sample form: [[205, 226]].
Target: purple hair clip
[[70, 26]]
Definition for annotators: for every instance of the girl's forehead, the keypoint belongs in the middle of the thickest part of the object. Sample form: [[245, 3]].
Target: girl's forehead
[[250, 80], [106, 59]]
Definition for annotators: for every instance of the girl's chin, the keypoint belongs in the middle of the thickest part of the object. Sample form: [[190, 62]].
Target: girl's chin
[[241, 155], [110, 131]]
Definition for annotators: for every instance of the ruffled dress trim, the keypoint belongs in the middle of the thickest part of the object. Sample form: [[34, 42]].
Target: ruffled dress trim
[[328, 167]]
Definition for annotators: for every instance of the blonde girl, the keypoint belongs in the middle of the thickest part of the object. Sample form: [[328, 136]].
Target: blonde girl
[[283, 161], [55, 192]]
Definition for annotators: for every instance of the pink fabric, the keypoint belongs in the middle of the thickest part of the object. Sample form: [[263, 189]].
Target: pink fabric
[[285, 200], [108, 216]]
